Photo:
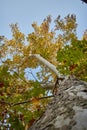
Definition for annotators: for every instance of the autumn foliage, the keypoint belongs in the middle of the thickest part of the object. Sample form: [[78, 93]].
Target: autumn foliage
[[22, 97]]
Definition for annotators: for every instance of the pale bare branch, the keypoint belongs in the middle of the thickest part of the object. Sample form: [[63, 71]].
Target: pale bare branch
[[46, 63]]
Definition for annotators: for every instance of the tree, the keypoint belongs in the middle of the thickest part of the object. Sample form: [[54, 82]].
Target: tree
[[22, 98]]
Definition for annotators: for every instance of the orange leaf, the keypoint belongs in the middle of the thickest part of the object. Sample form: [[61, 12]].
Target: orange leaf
[[36, 102], [72, 67]]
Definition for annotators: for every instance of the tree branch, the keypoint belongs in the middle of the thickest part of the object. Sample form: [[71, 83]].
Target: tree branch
[[84, 1], [4, 102], [48, 86], [46, 63], [19, 103]]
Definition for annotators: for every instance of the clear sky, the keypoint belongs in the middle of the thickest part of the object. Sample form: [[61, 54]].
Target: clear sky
[[25, 12]]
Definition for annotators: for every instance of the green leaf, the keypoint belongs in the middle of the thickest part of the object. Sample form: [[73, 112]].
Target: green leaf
[[72, 59], [16, 123]]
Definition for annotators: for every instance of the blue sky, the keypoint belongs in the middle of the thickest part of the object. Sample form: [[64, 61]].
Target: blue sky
[[25, 12]]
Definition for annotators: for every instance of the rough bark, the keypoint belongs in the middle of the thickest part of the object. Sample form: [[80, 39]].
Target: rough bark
[[67, 110]]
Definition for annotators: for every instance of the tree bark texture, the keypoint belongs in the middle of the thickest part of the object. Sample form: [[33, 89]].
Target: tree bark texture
[[67, 110]]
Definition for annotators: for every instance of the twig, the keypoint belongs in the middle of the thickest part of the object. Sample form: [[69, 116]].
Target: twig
[[32, 75], [19, 76], [4, 102], [48, 86], [15, 104]]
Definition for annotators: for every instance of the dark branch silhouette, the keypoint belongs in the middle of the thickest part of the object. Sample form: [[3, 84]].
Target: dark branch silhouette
[[18, 103], [84, 1]]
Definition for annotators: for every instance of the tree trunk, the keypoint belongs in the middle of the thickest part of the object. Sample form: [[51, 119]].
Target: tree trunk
[[67, 110]]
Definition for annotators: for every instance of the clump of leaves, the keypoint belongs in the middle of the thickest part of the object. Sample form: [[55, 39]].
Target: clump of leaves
[[72, 59]]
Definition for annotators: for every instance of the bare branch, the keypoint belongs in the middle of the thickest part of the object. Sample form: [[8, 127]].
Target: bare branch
[[46, 63], [19, 76], [5, 103], [84, 1], [48, 86], [32, 75], [19, 103]]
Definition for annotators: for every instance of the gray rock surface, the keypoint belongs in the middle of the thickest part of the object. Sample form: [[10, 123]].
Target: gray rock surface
[[67, 110]]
